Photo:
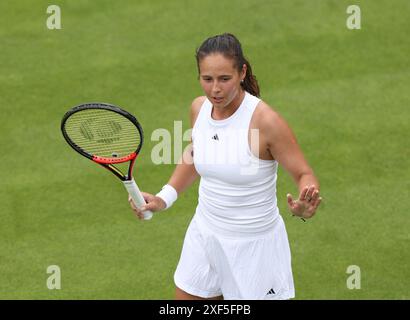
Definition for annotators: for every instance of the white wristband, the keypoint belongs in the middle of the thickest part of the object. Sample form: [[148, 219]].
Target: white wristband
[[168, 194]]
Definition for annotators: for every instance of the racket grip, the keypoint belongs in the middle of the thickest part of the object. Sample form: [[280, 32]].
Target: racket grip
[[136, 196]]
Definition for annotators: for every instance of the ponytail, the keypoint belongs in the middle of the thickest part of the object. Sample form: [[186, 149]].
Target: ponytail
[[250, 83], [228, 45]]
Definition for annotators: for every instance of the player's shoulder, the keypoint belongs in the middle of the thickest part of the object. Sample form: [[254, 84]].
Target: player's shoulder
[[268, 120], [197, 103], [196, 107], [265, 115]]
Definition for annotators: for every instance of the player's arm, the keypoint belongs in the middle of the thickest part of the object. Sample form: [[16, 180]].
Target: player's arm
[[283, 146], [183, 176]]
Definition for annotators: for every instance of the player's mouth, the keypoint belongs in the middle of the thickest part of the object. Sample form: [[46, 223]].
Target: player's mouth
[[217, 99]]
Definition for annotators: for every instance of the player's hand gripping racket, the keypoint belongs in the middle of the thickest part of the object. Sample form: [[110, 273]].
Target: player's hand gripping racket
[[107, 135]]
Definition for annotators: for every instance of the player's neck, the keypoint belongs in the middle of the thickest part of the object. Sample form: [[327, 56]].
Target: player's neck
[[220, 113]]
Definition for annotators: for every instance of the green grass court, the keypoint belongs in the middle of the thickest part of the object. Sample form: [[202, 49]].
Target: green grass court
[[344, 92]]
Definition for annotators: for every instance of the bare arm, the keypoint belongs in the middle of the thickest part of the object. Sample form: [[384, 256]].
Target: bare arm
[[284, 148], [183, 176]]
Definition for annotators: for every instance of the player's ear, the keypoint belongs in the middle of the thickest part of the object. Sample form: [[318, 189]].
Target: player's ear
[[243, 72]]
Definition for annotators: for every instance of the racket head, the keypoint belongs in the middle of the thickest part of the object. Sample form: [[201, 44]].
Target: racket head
[[102, 132]]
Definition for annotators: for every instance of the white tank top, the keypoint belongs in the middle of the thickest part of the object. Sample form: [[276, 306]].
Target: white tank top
[[237, 191]]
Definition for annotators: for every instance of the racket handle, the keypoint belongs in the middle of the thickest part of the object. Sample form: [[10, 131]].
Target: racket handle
[[136, 196]]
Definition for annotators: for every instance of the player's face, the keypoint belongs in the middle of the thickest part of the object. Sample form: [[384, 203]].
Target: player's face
[[220, 80]]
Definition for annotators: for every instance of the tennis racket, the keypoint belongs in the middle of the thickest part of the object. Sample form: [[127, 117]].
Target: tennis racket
[[107, 135]]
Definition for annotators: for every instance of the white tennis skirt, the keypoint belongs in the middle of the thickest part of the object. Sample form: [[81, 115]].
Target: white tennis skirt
[[251, 268]]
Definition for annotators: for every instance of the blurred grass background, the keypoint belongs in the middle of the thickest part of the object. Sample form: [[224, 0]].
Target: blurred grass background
[[344, 92]]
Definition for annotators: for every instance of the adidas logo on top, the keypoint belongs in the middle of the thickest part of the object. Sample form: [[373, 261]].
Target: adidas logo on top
[[271, 291], [215, 137]]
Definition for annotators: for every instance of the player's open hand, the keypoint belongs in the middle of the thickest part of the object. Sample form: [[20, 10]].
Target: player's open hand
[[305, 207], [153, 204]]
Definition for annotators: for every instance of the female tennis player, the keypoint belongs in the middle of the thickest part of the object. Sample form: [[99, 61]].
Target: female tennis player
[[236, 246]]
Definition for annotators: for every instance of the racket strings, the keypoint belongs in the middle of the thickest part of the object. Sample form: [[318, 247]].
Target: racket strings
[[103, 133]]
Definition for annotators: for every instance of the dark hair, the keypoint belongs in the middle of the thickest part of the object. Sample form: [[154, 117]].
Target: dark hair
[[228, 45]]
